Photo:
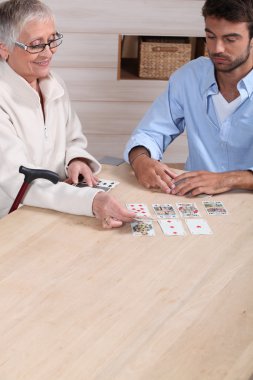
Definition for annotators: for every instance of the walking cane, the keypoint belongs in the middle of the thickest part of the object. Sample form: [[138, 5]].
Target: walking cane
[[31, 175]]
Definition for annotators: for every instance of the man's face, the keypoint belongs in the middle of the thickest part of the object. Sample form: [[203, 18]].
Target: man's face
[[228, 44]]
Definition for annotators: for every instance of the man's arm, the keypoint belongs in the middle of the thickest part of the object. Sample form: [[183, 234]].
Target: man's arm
[[137, 152], [149, 172]]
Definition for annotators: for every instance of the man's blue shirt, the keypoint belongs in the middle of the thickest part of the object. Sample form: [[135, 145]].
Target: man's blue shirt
[[187, 105]]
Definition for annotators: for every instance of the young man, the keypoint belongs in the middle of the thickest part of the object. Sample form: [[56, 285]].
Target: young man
[[213, 100]]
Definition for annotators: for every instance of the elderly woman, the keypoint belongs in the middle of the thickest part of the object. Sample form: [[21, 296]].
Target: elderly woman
[[38, 127]]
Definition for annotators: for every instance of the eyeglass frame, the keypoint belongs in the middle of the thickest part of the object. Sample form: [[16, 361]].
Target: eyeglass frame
[[43, 46]]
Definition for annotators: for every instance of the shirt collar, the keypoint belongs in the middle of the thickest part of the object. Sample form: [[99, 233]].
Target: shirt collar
[[246, 84], [50, 87], [210, 86]]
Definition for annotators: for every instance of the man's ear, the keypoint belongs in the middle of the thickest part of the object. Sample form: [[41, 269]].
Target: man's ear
[[4, 53]]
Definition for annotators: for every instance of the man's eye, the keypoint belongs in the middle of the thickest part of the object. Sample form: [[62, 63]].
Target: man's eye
[[210, 37], [230, 39]]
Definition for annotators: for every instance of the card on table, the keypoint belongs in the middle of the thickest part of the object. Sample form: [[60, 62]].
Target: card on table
[[140, 209], [187, 210], [214, 208], [143, 228], [164, 211], [103, 184], [198, 226], [172, 227]]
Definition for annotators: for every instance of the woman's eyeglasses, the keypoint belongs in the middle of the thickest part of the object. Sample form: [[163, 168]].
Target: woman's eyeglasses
[[35, 49]]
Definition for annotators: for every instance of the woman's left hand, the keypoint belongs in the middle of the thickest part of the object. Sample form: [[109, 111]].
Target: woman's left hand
[[77, 167]]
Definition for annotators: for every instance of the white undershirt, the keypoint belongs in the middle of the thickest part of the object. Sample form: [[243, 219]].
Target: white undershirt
[[224, 108]]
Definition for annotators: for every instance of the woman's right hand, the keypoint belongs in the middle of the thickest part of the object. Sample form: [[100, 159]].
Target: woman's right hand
[[110, 212]]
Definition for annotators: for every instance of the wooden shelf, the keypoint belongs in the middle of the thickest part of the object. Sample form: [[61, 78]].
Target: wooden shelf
[[128, 63]]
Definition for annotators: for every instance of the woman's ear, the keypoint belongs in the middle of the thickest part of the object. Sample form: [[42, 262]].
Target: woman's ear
[[4, 53]]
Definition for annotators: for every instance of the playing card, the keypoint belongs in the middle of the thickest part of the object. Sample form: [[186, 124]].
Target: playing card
[[164, 211], [214, 208], [143, 228], [140, 209], [198, 226], [103, 184], [107, 183], [172, 227], [188, 210]]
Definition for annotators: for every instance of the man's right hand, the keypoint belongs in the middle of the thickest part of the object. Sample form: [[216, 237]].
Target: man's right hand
[[153, 174]]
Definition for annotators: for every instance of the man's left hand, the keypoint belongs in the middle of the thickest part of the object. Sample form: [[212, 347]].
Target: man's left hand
[[204, 182]]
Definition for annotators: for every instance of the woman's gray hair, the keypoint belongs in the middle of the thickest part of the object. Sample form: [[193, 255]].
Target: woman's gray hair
[[14, 14]]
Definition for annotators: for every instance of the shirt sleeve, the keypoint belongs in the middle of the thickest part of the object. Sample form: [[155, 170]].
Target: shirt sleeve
[[162, 123]]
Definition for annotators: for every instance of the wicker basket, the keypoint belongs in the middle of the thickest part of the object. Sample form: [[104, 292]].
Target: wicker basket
[[159, 57]]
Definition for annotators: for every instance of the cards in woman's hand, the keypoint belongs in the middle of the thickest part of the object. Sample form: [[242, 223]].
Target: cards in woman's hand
[[103, 184]]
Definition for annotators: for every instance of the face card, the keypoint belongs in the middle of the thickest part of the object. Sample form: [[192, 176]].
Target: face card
[[214, 208], [140, 209], [143, 228], [172, 227], [198, 226], [188, 210], [164, 211]]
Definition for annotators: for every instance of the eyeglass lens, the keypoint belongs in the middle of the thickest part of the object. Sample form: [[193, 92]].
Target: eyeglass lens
[[38, 48]]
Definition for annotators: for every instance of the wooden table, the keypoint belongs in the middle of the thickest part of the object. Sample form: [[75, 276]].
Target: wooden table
[[81, 303]]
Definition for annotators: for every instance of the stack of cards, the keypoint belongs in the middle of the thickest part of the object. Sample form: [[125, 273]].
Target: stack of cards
[[103, 184]]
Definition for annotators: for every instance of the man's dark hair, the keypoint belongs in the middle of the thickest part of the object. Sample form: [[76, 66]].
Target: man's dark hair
[[231, 10]]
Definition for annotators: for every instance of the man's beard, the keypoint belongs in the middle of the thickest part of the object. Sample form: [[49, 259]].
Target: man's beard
[[233, 65]]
